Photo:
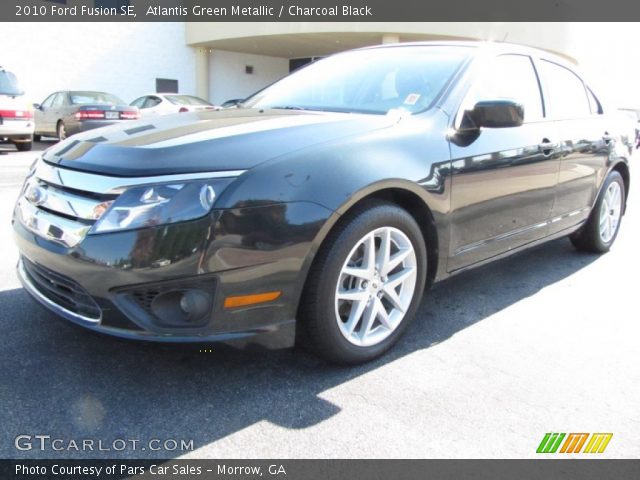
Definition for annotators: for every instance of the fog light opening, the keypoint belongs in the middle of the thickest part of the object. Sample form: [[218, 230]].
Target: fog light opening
[[183, 308]]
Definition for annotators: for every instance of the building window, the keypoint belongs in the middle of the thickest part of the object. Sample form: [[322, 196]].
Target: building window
[[296, 63], [166, 85]]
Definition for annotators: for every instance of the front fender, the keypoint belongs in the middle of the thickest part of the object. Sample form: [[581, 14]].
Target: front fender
[[411, 156]]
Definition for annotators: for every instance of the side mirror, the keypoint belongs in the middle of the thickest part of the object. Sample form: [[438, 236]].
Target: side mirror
[[37, 106], [497, 114]]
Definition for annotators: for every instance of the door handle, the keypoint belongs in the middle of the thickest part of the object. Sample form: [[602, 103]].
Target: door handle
[[547, 148]]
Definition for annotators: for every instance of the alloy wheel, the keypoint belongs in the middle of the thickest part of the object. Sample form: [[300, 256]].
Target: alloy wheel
[[375, 286], [610, 212]]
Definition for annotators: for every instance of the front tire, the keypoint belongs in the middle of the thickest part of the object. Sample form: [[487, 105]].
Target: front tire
[[365, 285], [602, 227]]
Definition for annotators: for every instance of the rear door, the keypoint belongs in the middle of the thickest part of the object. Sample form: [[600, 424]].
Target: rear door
[[56, 112], [42, 120], [585, 143], [503, 181]]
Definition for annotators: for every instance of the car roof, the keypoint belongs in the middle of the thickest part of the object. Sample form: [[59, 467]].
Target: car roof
[[479, 45]]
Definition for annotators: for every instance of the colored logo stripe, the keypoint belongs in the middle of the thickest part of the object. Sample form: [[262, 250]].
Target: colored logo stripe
[[598, 442], [574, 442], [550, 443]]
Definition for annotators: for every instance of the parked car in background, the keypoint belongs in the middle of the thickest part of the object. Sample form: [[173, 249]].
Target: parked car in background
[[633, 115], [69, 112], [16, 114], [167, 103], [320, 210]]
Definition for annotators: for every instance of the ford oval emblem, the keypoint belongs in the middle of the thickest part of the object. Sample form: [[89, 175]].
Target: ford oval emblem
[[36, 195]]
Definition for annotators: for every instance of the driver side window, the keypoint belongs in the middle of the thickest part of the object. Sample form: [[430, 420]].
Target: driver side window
[[49, 100], [138, 102], [151, 102], [59, 100], [510, 77]]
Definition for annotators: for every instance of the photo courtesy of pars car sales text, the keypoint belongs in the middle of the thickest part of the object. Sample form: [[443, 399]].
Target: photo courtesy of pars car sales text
[[115, 469]]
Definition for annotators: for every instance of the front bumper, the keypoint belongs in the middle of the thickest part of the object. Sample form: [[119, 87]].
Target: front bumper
[[276, 336], [239, 252]]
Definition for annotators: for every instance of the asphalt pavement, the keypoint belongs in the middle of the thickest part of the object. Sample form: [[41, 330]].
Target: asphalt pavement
[[544, 341]]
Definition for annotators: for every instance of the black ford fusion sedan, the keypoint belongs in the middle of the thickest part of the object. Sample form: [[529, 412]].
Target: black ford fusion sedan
[[321, 209]]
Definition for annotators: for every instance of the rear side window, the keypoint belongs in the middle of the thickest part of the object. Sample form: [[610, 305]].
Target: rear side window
[[566, 96], [511, 77]]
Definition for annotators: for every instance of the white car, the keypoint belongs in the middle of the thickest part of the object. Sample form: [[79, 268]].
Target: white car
[[166, 103], [16, 113]]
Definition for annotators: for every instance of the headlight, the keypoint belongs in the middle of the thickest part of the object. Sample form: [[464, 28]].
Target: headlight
[[151, 205]]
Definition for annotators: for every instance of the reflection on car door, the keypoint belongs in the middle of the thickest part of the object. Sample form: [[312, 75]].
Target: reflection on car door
[[584, 143], [503, 182]]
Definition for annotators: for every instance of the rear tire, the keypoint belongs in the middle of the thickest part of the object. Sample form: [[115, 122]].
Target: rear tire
[[601, 229], [61, 131], [24, 146], [36, 138], [365, 285]]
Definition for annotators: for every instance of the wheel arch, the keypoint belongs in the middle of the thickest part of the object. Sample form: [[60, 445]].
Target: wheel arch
[[623, 169], [406, 195]]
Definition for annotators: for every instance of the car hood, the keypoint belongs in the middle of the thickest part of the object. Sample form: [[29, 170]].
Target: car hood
[[237, 139]]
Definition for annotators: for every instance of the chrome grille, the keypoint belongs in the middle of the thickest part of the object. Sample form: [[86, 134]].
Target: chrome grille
[[62, 205], [58, 213]]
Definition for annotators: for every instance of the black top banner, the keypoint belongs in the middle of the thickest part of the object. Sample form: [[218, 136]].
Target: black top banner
[[318, 10]]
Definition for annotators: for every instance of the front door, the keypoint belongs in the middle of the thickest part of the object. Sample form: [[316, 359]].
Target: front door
[[503, 181]]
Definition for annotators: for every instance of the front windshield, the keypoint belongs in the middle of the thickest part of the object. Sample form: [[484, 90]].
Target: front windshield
[[86, 98], [367, 81], [9, 84]]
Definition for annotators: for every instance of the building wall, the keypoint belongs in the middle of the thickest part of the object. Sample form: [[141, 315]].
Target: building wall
[[228, 79], [604, 51], [122, 58]]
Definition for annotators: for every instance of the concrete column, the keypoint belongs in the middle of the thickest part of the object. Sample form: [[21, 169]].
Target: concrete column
[[202, 72], [390, 38]]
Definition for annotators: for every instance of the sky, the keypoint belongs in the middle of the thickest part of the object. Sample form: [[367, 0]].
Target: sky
[[609, 57]]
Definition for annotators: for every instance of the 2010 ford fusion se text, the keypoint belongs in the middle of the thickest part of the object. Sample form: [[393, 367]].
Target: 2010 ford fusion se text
[[321, 208]]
